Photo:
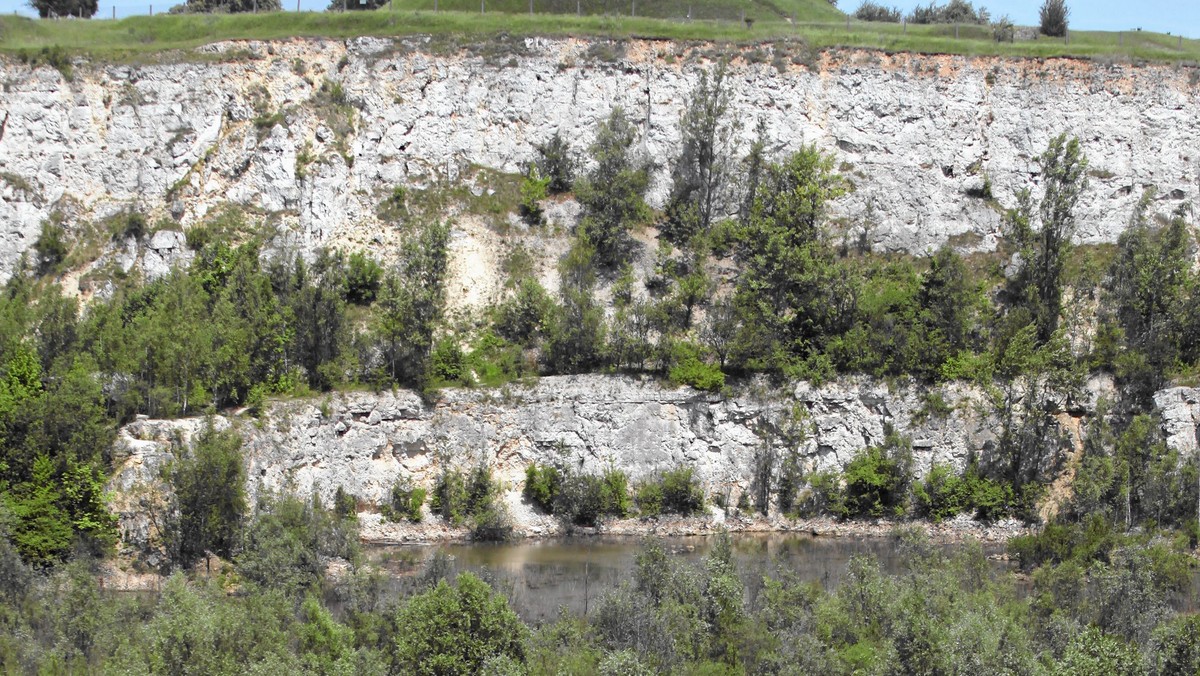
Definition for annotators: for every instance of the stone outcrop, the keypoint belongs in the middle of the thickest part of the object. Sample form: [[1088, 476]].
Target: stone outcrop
[[314, 132], [365, 442]]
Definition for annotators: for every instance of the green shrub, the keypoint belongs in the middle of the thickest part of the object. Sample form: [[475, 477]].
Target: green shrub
[[345, 505], [534, 189], [50, 247], [406, 502], [450, 499], [649, 498], [877, 480], [688, 368], [363, 278], [872, 11], [542, 485], [1053, 17], [676, 491], [614, 493], [492, 522], [556, 163], [580, 499], [943, 494], [455, 629], [449, 363], [128, 224], [823, 496]]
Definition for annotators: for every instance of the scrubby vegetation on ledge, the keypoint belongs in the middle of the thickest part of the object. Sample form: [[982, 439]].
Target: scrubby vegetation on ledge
[[817, 27]]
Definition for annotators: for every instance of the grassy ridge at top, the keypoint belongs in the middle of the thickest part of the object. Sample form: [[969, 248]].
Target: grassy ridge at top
[[143, 37]]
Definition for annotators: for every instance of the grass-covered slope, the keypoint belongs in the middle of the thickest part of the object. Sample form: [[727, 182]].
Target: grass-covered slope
[[818, 24]]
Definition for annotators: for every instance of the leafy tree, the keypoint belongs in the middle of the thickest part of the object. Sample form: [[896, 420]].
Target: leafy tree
[[209, 481], [289, 541], [51, 246], [363, 277], [83, 9], [1043, 238], [523, 318], [1091, 652], [955, 11], [948, 301], [1053, 17], [877, 479], [455, 629], [1150, 287], [317, 311], [612, 192], [872, 11], [556, 163], [790, 294], [701, 174], [233, 6], [576, 340], [410, 306]]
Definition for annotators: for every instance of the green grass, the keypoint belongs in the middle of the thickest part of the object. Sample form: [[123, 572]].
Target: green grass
[[171, 36]]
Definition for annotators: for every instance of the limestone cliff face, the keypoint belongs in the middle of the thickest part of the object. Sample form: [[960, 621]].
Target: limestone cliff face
[[249, 124], [365, 443]]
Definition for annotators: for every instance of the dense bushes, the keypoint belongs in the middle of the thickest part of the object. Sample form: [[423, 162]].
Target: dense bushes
[[406, 502], [577, 498], [955, 11], [457, 629], [209, 482], [872, 11], [472, 499], [674, 491]]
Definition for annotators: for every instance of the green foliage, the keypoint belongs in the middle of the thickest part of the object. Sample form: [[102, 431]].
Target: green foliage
[[51, 247], [1043, 250], [944, 495], [81, 9], [700, 176], [584, 499], [232, 6], [1146, 326], [363, 279], [289, 541], [675, 491], [524, 318], [209, 483], [612, 192], [689, 368], [534, 188], [877, 479], [1091, 652], [789, 294], [542, 485], [457, 498], [872, 11], [448, 363], [576, 333], [406, 502], [556, 164], [410, 305], [955, 11], [1053, 18], [456, 629], [345, 505]]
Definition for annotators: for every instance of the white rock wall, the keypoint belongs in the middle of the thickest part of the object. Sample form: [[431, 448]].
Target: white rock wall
[[913, 133]]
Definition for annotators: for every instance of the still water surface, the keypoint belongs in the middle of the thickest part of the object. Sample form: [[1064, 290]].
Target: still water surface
[[540, 577]]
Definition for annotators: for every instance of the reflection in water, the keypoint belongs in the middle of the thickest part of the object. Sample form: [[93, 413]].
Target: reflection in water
[[541, 577]]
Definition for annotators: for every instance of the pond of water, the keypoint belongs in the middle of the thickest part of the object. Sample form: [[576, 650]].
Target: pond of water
[[540, 577]]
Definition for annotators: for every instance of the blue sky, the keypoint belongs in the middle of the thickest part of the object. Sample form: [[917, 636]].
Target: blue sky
[[1166, 16]]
